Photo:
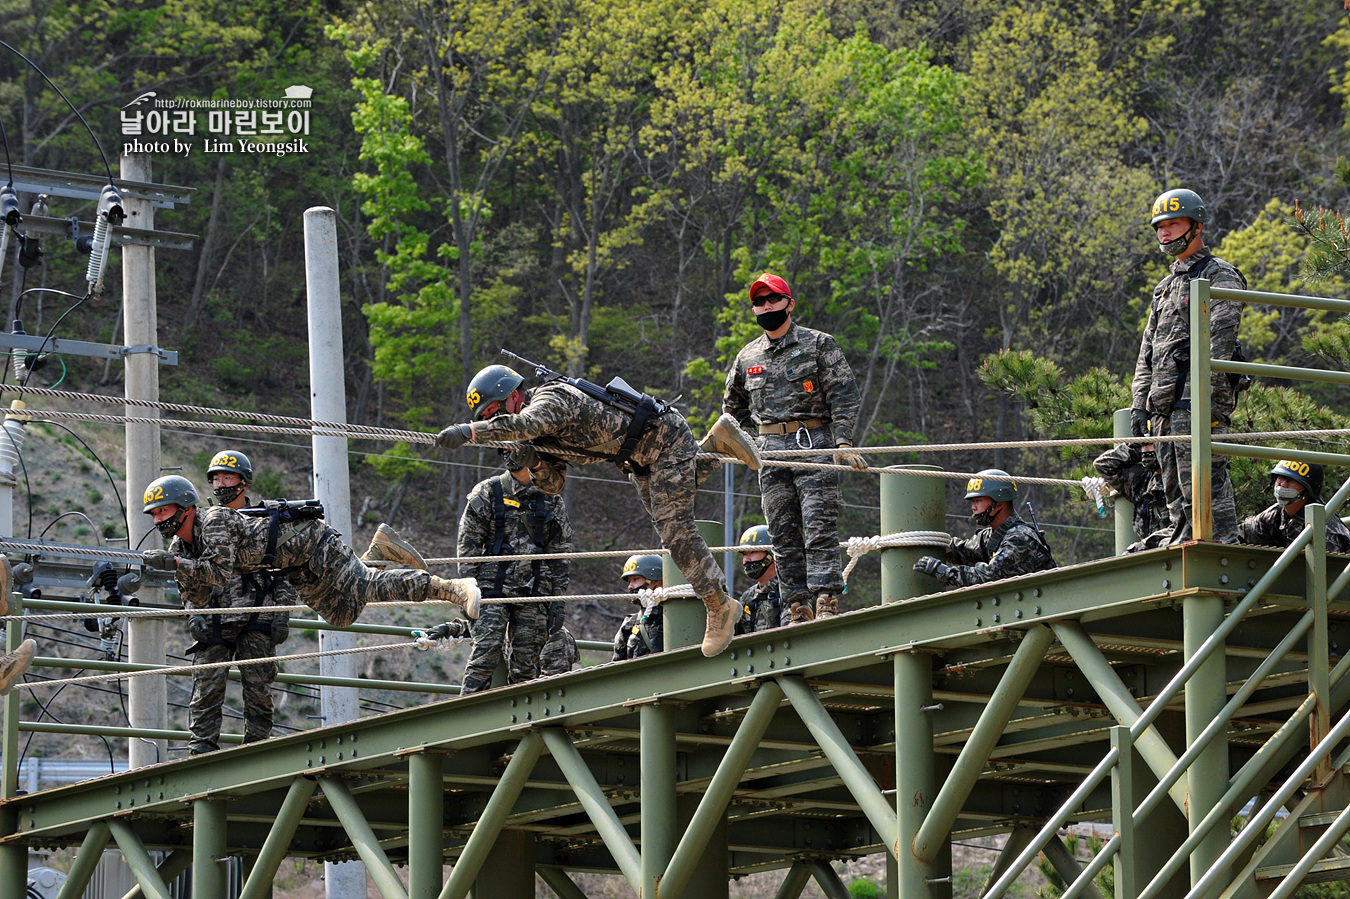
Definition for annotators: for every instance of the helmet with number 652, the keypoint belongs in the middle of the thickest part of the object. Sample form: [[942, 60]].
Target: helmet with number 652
[[171, 489], [1309, 474], [1179, 203], [493, 384], [994, 483]]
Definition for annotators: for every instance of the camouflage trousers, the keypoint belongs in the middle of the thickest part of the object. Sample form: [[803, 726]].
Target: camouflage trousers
[[801, 507], [560, 653], [208, 690], [1175, 459], [337, 585], [667, 490], [525, 625]]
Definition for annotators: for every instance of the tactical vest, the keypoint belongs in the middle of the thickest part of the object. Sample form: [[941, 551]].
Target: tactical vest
[[538, 512]]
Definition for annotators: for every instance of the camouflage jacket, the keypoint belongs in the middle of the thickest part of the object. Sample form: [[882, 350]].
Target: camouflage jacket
[[1124, 472], [763, 608], [996, 553], [640, 634], [559, 416], [225, 543], [1162, 372], [531, 518], [1275, 527], [802, 375]]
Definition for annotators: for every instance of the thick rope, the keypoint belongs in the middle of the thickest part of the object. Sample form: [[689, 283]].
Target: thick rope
[[181, 670], [857, 547]]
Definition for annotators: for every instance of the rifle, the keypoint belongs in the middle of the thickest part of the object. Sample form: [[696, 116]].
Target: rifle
[[616, 393], [1040, 534]]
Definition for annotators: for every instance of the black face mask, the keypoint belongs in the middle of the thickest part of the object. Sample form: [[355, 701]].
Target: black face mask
[[755, 570], [169, 526], [984, 519], [772, 320], [227, 495]]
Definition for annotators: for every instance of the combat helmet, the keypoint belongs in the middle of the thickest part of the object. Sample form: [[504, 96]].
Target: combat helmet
[[1309, 474], [648, 566], [1179, 203], [169, 490], [994, 483], [231, 462], [755, 538], [493, 384]]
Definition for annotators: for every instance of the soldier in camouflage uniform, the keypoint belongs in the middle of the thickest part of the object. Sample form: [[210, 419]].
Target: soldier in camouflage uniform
[[251, 634], [212, 544], [559, 417], [762, 600], [794, 386], [640, 633], [506, 515], [1295, 485], [1134, 473], [1161, 389], [1005, 547]]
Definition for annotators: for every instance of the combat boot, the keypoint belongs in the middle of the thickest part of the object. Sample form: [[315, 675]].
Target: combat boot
[[14, 665], [727, 438], [387, 546], [801, 613], [462, 591], [827, 605], [723, 613]]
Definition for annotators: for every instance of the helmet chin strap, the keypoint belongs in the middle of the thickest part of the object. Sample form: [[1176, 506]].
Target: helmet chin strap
[[169, 526]]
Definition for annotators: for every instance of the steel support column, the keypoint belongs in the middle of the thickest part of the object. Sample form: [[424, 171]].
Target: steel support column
[[657, 773], [138, 860], [830, 883], [273, 851], [509, 870], [1026, 661], [1122, 813], [208, 849], [426, 824], [1202, 472], [9, 735], [1067, 866], [798, 876], [684, 619], [364, 841], [558, 881], [712, 808], [857, 779], [1153, 749], [711, 877], [909, 502], [596, 804], [915, 777], [1019, 838], [86, 860], [489, 826], [1124, 508], [1319, 642], [1206, 696], [178, 861]]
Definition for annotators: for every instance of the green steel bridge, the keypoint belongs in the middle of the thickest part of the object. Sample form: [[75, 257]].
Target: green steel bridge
[[1160, 693]]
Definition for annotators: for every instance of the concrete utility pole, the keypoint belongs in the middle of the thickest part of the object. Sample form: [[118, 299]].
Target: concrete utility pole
[[332, 485], [147, 696]]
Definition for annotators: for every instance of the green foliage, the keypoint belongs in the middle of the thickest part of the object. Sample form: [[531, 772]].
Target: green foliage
[[862, 888], [1328, 244], [397, 463]]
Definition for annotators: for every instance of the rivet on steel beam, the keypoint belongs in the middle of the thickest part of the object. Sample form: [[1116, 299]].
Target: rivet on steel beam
[[935, 707], [1223, 560], [1167, 585]]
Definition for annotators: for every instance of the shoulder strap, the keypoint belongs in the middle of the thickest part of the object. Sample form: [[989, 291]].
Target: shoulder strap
[[498, 534]]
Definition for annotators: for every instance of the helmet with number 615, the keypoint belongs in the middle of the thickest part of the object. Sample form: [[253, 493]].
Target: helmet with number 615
[[1179, 203], [493, 384], [1309, 474], [994, 483]]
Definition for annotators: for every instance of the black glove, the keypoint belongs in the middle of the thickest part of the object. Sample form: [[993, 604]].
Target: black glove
[[161, 559], [931, 567], [1138, 423], [456, 628], [455, 436]]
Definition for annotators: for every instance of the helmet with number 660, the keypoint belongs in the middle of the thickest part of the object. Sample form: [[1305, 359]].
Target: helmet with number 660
[[1309, 474], [170, 490], [994, 483], [493, 384]]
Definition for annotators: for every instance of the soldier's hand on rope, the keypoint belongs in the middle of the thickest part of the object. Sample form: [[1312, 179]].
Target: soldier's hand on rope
[[843, 455], [161, 559], [931, 567], [455, 436]]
